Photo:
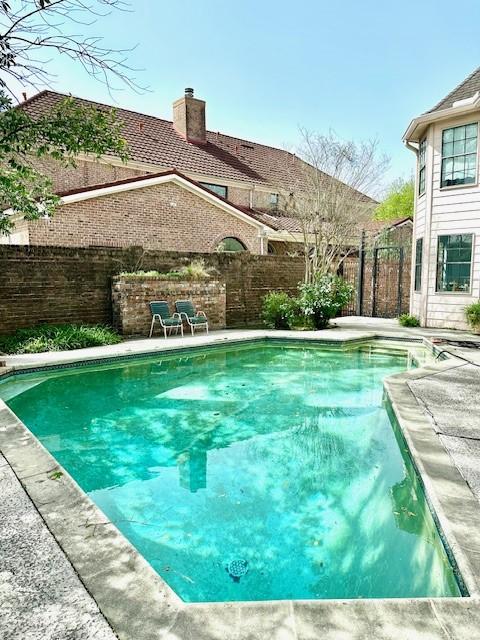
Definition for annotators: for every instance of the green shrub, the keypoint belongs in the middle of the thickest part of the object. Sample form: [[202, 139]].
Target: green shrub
[[406, 320], [324, 299], [277, 310], [473, 314], [60, 337]]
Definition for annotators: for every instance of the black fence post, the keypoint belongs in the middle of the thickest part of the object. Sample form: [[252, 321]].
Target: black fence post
[[400, 282], [374, 281], [361, 270]]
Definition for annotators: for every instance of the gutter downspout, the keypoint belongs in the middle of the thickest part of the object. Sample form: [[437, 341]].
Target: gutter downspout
[[430, 137], [427, 240], [263, 235]]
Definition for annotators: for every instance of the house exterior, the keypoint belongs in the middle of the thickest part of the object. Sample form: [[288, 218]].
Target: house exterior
[[184, 188], [446, 234]]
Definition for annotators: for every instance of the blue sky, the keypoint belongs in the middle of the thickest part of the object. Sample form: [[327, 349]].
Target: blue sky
[[362, 68]]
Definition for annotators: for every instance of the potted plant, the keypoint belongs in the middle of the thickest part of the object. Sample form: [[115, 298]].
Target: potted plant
[[472, 313]]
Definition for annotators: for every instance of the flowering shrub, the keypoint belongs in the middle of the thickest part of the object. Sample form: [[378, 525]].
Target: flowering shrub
[[324, 299]]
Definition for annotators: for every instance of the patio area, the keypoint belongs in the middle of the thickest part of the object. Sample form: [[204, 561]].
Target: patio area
[[44, 597]]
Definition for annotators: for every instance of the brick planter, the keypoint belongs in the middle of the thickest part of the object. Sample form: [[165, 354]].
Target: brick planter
[[131, 295]]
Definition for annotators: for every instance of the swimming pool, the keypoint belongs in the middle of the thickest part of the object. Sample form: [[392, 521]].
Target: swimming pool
[[258, 472]]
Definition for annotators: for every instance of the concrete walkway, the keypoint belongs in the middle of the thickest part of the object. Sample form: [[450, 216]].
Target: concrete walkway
[[42, 597], [452, 400]]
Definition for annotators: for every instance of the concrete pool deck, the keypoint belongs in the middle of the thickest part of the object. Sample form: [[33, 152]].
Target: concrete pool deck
[[140, 606]]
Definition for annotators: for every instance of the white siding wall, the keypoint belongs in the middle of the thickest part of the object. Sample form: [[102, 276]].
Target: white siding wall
[[419, 232], [445, 211]]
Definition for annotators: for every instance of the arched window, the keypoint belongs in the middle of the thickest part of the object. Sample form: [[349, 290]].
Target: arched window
[[230, 245]]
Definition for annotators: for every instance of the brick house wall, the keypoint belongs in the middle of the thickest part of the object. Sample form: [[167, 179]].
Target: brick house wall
[[238, 196], [281, 248], [92, 172], [85, 173], [163, 217]]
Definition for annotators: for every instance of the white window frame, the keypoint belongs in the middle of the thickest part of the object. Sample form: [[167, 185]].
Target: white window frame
[[419, 289], [442, 158], [464, 292], [209, 185]]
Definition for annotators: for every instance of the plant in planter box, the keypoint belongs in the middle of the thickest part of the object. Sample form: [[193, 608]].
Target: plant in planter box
[[472, 313], [196, 270], [323, 299]]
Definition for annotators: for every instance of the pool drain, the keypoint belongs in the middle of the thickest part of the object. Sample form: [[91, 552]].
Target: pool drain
[[236, 569]]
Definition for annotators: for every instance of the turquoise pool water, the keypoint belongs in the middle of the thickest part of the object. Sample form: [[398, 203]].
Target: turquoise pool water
[[255, 472]]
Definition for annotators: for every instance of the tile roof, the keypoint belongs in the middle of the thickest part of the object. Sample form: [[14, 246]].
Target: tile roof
[[465, 89], [154, 141]]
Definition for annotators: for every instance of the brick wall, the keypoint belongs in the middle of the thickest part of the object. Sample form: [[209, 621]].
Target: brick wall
[[164, 216], [131, 297], [85, 173], [57, 284]]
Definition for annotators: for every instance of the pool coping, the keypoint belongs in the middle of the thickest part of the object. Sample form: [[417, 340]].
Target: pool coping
[[139, 605]]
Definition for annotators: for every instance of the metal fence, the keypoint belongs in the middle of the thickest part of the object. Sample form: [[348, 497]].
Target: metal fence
[[381, 279]]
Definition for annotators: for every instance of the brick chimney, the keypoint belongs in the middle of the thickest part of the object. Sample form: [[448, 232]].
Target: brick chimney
[[189, 118]]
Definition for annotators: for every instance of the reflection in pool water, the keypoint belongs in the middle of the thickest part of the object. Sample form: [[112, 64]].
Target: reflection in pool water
[[275, 462]]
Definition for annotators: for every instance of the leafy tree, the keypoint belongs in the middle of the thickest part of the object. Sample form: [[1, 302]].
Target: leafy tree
[[31, 33], [61, 134], [399, 202]]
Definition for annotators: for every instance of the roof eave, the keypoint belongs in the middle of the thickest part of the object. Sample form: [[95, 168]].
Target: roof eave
[[418, 125]]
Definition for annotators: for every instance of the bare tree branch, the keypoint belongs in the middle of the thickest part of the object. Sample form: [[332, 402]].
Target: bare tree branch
[[31, 28], [330, 200]]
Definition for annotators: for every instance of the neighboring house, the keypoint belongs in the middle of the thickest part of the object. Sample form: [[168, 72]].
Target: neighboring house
[[446, 243], [184, 188]]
